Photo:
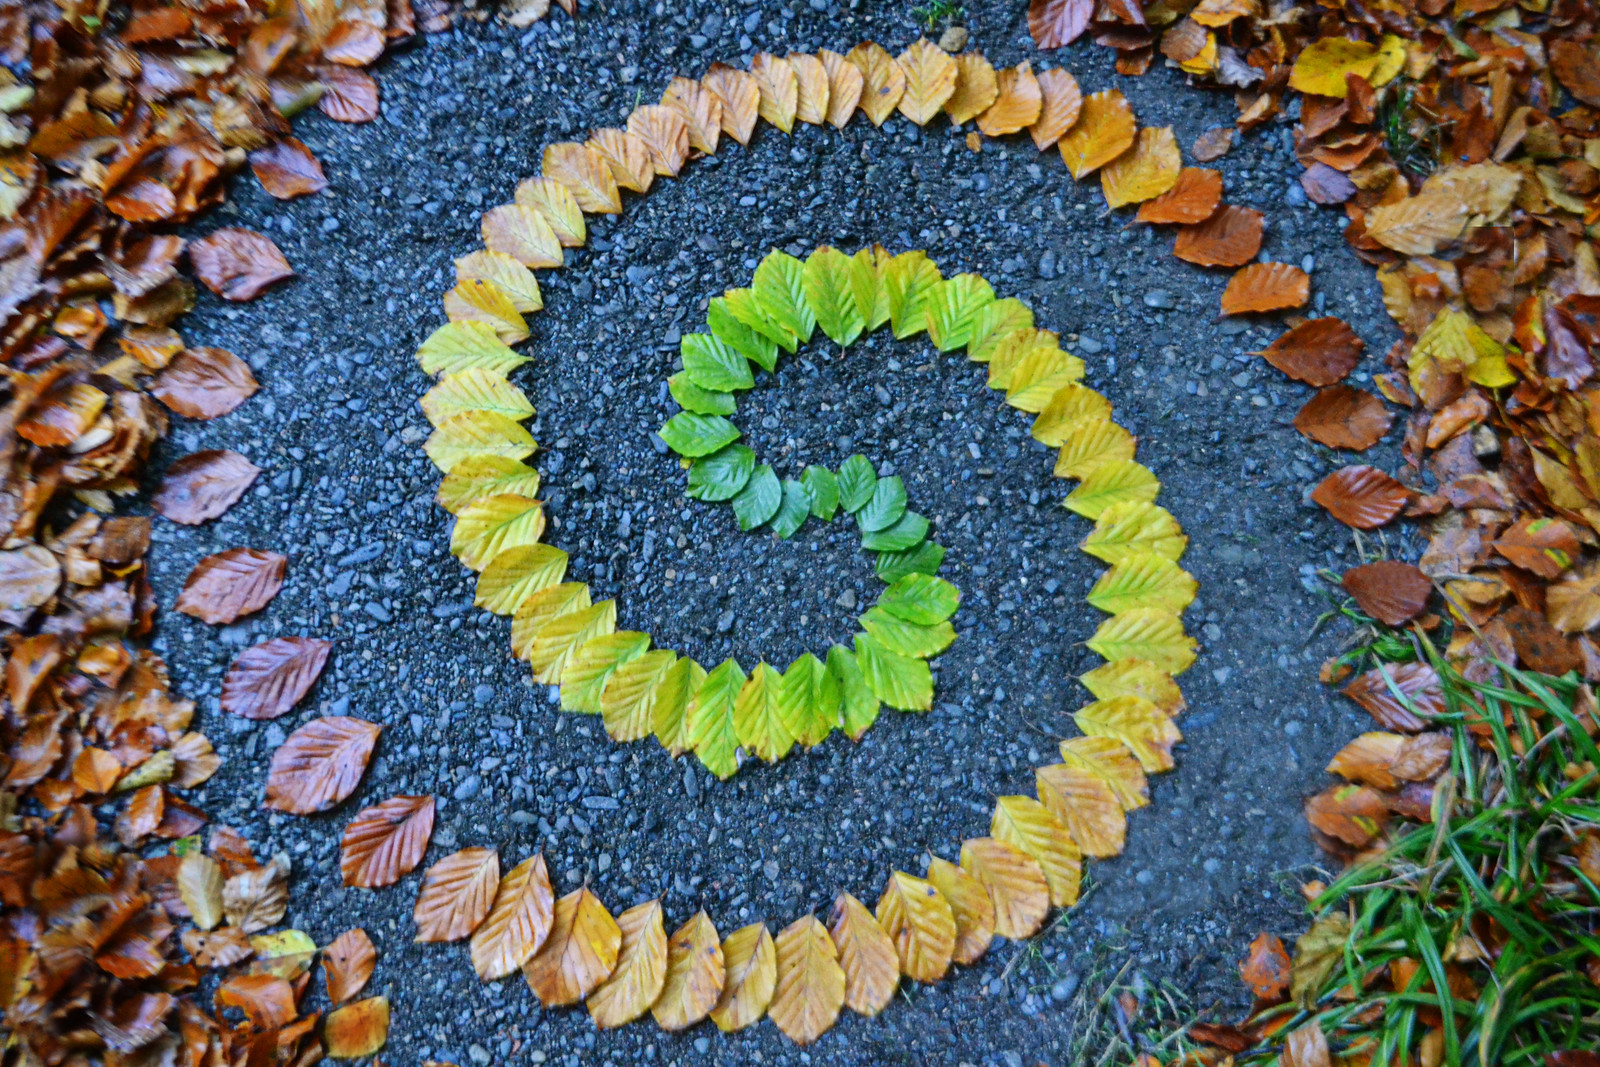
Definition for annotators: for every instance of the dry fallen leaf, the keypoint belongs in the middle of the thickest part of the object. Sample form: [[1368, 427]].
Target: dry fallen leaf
[[456, 894], [970, 906], [1145, 171], [1229, 238], [228, 585], [1104, 130], [1341, 416], [1213, 144], [930, 81], [641, 969], [810, 982], [1015, 882], [238, 264], [977, 87], [320, 764], [1389, 590], [1318, 352], [1018, 105], [883, 81], [918, 920], [1193, 198], [751, 962], [200, 888], [866, 954], [1420, 694], [1362, 497], [358, 1029], [202, 486], [287, 169], [386, 841], [1266, 287], [256, 899], [740, 99], [695, 978], [204, 383], [579, 953], [1055, 23], [519, 922], [269, 679], [1060, 104], [1266, 969], [347, 964]]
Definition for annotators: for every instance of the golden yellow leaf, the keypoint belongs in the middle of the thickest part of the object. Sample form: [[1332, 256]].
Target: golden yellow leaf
[[665, 136], [1418, 225], [1029, 825], [559, 207], [930, 80], [523, 234], [356, 1030], [1085, 805], [883, 82], [1136, 677], [751, 962], [1060, 103], [811, 79], [1455, 344], [779, 89], [1322, 65], [641, 969], [1574, 601], [1091, 443], [976, 88], [518, 923], [1217, 13], [867, 955], [740, 97], [627, 157], [844, 87], [559, 640], [1015, 883], [1104, 130], [701, 110], [695, 975], [486, 302], [1149, 169], [810, 982], [920, 923], [585, 171], [539, 608], [970, 906], [1137, 723], [579, 953], [515, 280], [1069, 408], [1018, 105]]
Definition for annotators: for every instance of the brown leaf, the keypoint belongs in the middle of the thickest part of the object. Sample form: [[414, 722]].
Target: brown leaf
[[29, 576], [349, 96], [1324, 185], [269, 679], [1341, 416], [222, 947], [1390, 591], [1577, 67], [266, 1000], [226, 586], [386, 841], [1354, 814], [256, 899], [347, 964], [320, 764], [1229, 238], [1547, 547], [518, 923], [1194, 199], [1054, 23], [579, 953], [1362, 497], [1420, 694], [358, 1029], [203, 383], [287, 169], [867, 955], [1266, 968], [696, 975], [238, 264], [1306, 1047], [456, 894], [1019, 104], [1213, 144], [203, 485], [1318, 352]]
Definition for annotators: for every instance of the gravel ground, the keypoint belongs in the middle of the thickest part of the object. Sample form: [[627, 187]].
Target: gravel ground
[[347, 494]]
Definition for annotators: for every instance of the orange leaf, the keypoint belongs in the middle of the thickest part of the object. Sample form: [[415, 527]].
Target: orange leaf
[[736, 90], [386, 841], [883, 82], [579, 953], [456, 894], [1229, 238], [347, 964], [1344, 417], [1266, 969], [1362, 497], [518, 923], [1019, 103], [1060, 104], [1318, 352], [1193, 199], [1266, 287], [320, 764], [358, 1029], [1104, 131]]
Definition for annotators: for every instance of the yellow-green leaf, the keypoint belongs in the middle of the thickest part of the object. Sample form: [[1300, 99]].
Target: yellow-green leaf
[[808, 701], [1148, 731], [516, 574], [1146, 634], [710, 719], [1147, 581], [458, 346], [1116, 481], [858, 704], [1090, 444], [670, 721], [515, 280], [1072, 407], [540, 608], [477, 433], [480, 476], [866, 285], [584, 677], [628, 701], [953, 309], [827, 286], [1135, 529], [908, 638], [560, 638], [756, 718], [489, 526], [993, 323], [475, 389], [908, 281], [899, 681]]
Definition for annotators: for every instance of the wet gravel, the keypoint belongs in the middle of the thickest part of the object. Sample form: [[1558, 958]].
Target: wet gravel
[[347, 495]]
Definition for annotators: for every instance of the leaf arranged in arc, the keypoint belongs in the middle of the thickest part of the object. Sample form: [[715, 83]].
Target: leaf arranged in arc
[[541, 608], [953, 310], [694, 435], [750, 960], [669, 712], [930, 80], [1135, 677], [920, 559], [883, 82], [691, 397], [809, 701], [1015, 882], [493, 524], [908, 531], [1147, 581], [866, 285], [1104, 130], [1018, 104], [885, 508], [518, 922], [585, 171], [1132, 529], [759, 500], [470, 434], [461, 346], [739, 95], [898, 681], [696, 975], [1319, 352], [1085, 805], [1060, 103], [826, 279], [558, 205], [909, 280], [475, 300], [810, 983], [1149, 634], [478, 477], [1094, 443], [228, 585], [970, 906], [857, 483], [320, 764], [714, 364], [779, 286], [845, 84], [922, 599], [1030, 827], [919, 922], [976, 88], [814, 90], [867, 955], [510, 277], [385, 842], [559, 640], [722, 475], [1118, 481], [596, 660], [641, 969], [1147, 731], [778, 90], [995, 322], [763, 336], [627, 156], [823, 489], [474, 389], [793, 509], [628, 701], [516, 574], [858, 704], [907, 638], [757, 719], [456, 894], [709, 718], [578, 954], [1194, 198]]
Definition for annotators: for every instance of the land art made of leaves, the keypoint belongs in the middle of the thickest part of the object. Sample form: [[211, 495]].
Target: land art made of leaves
[[1006, 883]]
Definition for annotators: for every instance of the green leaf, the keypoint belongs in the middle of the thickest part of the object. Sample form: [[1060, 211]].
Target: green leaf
[[743, 306], [779, 285], [953, 308], [899, 681], [793, 511], [993, 323], [669, 718], [710, 719], [907, 638], [751, 344], [866, 286], [1116, 481], [459, 346], [888, 503], [759, 500], [694, 435], [1136, 528], [756, 721], [904, 534], [592, 665], [690, 397], [628, 701], [715, 365], [823, 489], [827, 286], [858, 704], [923, 559], [921, 598], [480, 476], [908, 280], [808, 701], [1147, 581], [721, 475], [857, 480]]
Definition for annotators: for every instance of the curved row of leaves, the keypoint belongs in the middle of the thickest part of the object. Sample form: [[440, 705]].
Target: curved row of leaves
[[1005, 884]]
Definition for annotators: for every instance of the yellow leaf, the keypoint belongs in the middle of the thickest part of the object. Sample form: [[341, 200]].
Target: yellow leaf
[[477, 433], [665, 136], [1104, 130], [540, 608], [701, 111], [1116, 481], [628, 702], [1147, 581], [486, 302], [1124, 530], [1071, 406], [515, 280], [1135, 677], [1015, 882], [641, 969], [1146, 634], [1322, 65], [594, 663], [475, 389], [970, 906], [751, 962], [523, 234], [579, 953], [1029, 825], [1391, 60], [811, 80], [517, 924], [883, 82], [866, 954], [695, 975], [779, 89], [1109, 760], [930, 80], [585, 172], [1455, 344], [515, 574], [1204, 61], [1418, 225], [561, 638], [1039, 375], [560, 209], [628, 157], [1018, 105], [976, 88], [1090, 444], [844, 87], [1216, 13], [670, 718], [1148, 731], [1149, 169], [1085, 805], [356, 1030], [919, 921], [810, 982], [488, 527]]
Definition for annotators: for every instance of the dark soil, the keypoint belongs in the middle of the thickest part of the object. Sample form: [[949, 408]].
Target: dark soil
[[347, 494]]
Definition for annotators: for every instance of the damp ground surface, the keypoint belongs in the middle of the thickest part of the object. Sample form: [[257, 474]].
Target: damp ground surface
[[347, 495]]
